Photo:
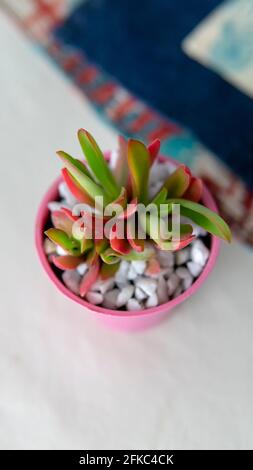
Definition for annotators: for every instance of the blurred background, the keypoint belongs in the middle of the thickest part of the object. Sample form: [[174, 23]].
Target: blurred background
[[177, 70]]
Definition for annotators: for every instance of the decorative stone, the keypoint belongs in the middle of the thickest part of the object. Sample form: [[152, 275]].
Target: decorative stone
[[164, 272], [159, 173], [162, 291], [114, 158], [103, 286], [199, 252], [172, 283], [82, 268], [124, 295], [49, 247], [133, 304], [178, 291], [66, 194], [154, 189], [182, 272], [152, 301], [148, 285], [194, 268], [95, 298], [60, 251], [181, 256], [139, 266], [165, 258], [121, 274], [56, 205], [132, 274], [110, 298], [198, 231], [72, 280], [187, 282], [139, 294]]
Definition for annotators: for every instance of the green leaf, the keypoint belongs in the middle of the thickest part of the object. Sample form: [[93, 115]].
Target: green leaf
[[110, 256], [139, 256], [160, 197], [86, 244], [101, 245], [97, 163], [164, 209], [204, 217], [89, 186], [80, 165], [76, 189], [62, 239], [108, 270], [139, 164], [178, 182]]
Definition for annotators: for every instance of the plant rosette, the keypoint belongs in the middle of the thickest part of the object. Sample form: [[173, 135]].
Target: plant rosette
[[128, 235]]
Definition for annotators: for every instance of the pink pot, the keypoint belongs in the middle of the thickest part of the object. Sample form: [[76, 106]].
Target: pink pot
[[117, 319]]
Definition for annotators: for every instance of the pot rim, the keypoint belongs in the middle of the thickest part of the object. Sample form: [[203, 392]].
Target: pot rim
[[42, 217]]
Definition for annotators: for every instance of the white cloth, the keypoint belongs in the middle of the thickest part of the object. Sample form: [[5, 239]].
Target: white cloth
[[65, 380]]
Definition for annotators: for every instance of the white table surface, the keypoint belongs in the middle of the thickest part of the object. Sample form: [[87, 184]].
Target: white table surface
[[65, 380]]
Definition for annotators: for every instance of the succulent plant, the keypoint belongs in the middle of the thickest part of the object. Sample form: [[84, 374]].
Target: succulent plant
[[125, 186]]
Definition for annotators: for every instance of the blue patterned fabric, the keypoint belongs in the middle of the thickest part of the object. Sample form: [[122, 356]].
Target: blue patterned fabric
[[139, 43], [232, 49]]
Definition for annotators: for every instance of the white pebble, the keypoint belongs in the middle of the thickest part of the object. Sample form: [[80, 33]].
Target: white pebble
[[178, 291], [162, 291], [187, 282], [159, 173], [95, 298], [164, 272], [114, 158], [139, 266], [56, 205], [139, 294], [165, 258], [182, 256], [172, 283], [124, 295], [66, 194], [154, 189], [152, 301], [60, 251], [148, 285], [198, 231], [110, 298], [121, 274], [49, 247], [199, 252], [185, 275], [194, 268], [132, 274], [72, 280], [103, 286], [82, 268], [182, 272], [133, 304]]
